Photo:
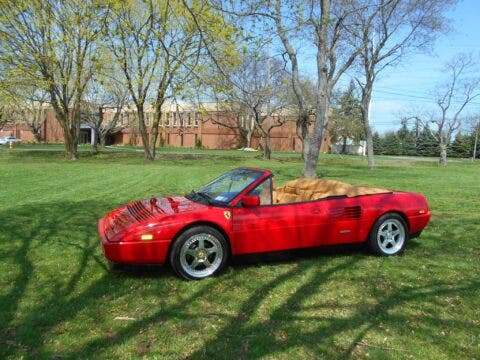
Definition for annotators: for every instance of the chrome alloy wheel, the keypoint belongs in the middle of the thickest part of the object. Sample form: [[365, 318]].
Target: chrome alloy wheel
[[391, 236], [201, 255]]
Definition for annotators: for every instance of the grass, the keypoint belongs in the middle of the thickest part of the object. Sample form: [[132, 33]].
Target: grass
[[59, 298]]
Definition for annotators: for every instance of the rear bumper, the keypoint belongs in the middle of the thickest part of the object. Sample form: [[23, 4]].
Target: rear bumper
[[133, 252], [417, 224]]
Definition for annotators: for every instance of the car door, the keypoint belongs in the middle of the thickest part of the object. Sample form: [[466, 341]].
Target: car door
[[276, 227]]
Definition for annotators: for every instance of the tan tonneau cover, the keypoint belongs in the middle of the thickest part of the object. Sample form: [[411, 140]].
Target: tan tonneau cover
[[304, 189]]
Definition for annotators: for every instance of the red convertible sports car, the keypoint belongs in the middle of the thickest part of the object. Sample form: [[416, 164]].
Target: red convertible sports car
[[241, 212]]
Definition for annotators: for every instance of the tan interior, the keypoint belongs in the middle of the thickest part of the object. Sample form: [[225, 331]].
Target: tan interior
[[304, 189]]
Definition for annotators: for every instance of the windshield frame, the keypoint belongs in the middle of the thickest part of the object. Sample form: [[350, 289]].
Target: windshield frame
[[255, 177]]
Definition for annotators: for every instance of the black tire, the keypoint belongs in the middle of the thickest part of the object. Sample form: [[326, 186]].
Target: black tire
[[389, 235], [199, 252]]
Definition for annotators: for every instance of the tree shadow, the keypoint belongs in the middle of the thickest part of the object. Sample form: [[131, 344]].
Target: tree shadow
[[41, 237], [57, 271], [287, 328]]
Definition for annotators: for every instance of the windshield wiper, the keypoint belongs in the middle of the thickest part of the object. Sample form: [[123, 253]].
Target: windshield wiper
[[202, 196]]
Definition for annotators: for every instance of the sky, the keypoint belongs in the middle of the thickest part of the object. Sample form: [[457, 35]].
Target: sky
[[408, 87]]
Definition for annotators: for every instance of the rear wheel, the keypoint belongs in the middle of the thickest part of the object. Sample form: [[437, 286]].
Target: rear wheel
[[199, 252], [389, 235]]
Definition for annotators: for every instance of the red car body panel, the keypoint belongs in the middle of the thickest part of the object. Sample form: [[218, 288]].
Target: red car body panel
[[251, 230]]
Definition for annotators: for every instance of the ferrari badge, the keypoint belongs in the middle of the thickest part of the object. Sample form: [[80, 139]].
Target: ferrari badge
[[227, 215]]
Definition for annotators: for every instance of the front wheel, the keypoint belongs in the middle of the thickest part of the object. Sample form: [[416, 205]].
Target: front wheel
[[199, 252], [389, 235]]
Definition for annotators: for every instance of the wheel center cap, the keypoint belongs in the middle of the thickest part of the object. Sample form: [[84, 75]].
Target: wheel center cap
[[201, 255]]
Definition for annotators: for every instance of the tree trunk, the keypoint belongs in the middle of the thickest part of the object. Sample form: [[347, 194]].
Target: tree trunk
[[315, 142], [95, 141], [369, 140], [323, 93], [344, 146], [71, 145], [443, 153], [249, 138], [366, 98], [102, 138], [475, 143], [302, 133], [153, 140], [37, 134], [71, 131], [267, 150], [143, 133]]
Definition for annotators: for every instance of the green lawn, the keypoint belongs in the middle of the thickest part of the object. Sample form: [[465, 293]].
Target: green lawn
[[59, 298]]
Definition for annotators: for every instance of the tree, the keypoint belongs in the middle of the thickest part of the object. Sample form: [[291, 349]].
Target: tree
[[6, 117], [408, 139], [52, 45], [237, 118], [26, 104], [159, 48], [346, 121], [475, 151], [391, 144], [451, 99], [426, 143], [461, 146], [389, 30], [102, 107], [377, 143], [322, 24], [334, 56], [253, 91]]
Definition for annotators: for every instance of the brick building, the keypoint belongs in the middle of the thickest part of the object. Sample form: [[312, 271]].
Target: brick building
[[181, 126]]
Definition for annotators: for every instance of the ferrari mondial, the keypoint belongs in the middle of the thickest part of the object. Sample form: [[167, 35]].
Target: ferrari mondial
[[242, 212]]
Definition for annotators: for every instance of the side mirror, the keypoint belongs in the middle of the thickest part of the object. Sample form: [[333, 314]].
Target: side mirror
[[251, 200]]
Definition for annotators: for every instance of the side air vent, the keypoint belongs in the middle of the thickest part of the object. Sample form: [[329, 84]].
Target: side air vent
[[349, 212]]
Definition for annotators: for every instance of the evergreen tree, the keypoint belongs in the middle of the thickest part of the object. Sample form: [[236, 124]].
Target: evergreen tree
[[391, 144], [426, 143], [377, 143], [347, 118], [408, 141], [461, 146]]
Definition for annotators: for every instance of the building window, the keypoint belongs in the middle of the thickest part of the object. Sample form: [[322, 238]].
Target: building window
[[167, 119], [189, 121], [174, 119], [196, 119]]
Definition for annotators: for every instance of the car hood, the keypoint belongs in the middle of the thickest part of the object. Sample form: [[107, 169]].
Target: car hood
[[150, 210], [158, 206]]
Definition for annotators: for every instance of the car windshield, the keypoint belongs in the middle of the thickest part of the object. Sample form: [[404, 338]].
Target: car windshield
[[225, 188]]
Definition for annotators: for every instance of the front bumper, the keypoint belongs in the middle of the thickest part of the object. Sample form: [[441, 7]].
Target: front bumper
[[133, 252]]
